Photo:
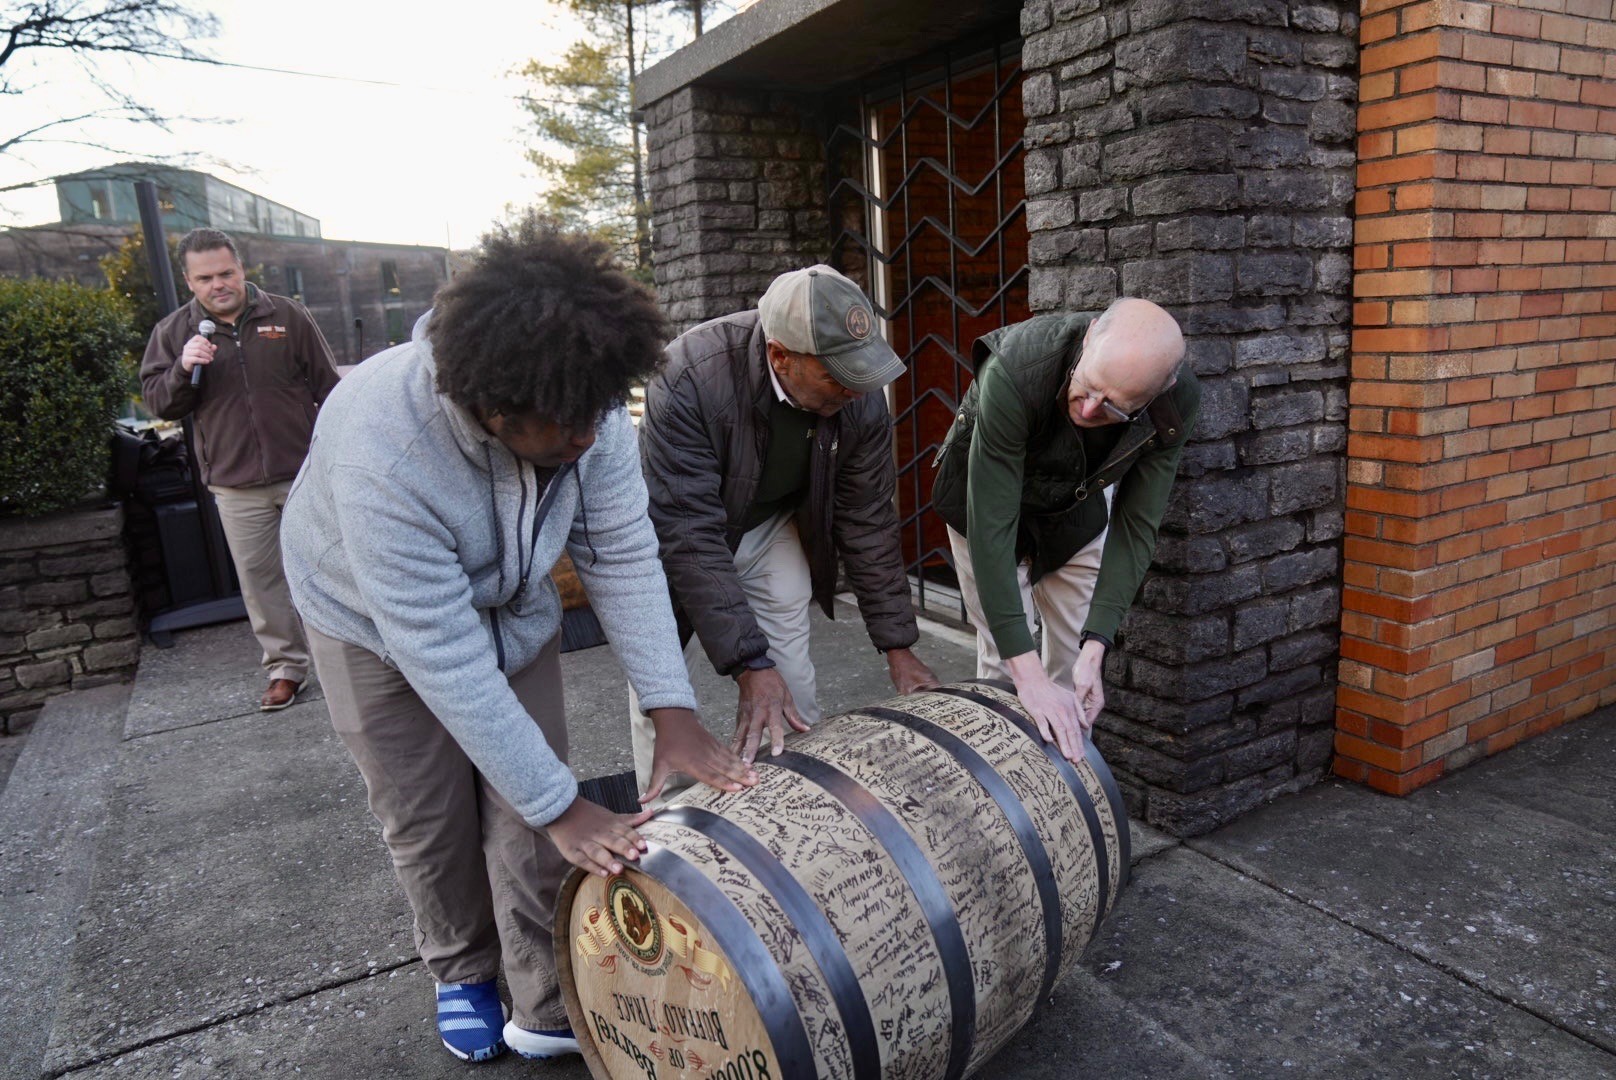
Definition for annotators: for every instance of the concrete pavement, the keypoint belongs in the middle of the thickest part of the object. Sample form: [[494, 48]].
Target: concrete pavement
[[242, 917]]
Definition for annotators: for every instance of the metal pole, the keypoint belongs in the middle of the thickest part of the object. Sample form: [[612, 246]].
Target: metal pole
[[151, 223]]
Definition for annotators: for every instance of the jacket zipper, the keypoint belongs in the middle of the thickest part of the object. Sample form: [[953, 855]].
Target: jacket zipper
[[1121, 458], [499, 641], [521, 508], [252, 418]]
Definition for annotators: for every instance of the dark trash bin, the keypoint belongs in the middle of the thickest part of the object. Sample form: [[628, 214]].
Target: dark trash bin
[[151, 475]]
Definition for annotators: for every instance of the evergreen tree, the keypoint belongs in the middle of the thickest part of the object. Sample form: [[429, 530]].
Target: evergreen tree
[[591, 153], [129, 275]]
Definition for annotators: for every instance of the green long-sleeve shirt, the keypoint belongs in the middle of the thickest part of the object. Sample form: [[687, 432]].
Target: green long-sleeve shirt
[[1019, 480]]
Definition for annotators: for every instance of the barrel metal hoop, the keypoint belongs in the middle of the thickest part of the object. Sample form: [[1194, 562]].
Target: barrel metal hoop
[[815, 930], [739, 941], [1119, 813], [1032, 845], [923, 882], [1068, 773]]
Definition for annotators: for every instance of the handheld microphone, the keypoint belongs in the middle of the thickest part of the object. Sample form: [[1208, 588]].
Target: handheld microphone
[[206, 329]]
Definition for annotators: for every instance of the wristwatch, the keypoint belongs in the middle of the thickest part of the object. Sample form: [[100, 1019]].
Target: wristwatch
[[1089, 635]]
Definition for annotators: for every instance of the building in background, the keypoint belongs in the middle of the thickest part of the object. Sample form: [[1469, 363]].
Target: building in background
[[188, 199], [365, 296]]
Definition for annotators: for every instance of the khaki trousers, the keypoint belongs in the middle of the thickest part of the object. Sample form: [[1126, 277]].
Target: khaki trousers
[[775, 579], [481, 881], [252, 524], [1061, 599]]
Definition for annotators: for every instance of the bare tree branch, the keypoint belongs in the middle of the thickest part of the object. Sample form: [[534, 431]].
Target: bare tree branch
[[134, 27], [91, 29]]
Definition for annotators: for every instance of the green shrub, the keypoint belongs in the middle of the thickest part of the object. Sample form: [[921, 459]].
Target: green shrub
[[64, 369]]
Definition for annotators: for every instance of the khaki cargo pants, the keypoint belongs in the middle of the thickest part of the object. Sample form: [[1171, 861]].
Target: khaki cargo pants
[[481, 881]]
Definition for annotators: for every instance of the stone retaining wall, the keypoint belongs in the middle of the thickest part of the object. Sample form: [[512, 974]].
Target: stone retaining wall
[[67, 616]]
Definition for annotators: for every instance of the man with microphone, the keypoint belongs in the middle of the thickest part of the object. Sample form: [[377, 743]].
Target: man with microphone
[[252, 370]]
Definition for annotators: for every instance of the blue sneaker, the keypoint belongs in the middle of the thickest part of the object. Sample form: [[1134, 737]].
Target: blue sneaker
[[470, 1016], [540, 1044]]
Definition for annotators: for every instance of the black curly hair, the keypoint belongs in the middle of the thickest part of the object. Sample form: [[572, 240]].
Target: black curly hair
[[544, 325]]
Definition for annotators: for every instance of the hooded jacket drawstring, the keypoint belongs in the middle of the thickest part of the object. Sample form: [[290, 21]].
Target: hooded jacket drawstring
[[499, 533]]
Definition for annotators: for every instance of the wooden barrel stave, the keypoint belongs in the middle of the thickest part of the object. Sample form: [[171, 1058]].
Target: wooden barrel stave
[[995, 902], [1098, 801], [1103, 798], [875, 912], [813, 1000]]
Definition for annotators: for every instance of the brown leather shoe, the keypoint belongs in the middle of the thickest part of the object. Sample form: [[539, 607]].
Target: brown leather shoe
[[281, 693]]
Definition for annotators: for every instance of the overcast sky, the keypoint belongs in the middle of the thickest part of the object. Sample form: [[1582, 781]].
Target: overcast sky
[[438, 155]]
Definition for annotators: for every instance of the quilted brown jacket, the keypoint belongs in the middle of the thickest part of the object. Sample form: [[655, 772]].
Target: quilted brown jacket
[[703, 443]]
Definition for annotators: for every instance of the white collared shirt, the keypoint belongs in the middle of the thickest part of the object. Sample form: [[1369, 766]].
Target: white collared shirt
[[779, 391]]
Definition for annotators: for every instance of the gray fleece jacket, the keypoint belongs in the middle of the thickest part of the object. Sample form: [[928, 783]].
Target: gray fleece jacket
[[409, 531]]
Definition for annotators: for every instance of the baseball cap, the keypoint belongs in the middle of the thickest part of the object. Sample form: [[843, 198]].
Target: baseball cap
[[818, 311]]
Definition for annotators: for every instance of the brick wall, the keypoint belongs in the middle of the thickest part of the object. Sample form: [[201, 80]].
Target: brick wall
[[737, 188], [1200, 155], [66, 612], [1480, 600]]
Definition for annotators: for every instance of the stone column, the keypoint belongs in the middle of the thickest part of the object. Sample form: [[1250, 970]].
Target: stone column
[[737, 188], [1200, 155]]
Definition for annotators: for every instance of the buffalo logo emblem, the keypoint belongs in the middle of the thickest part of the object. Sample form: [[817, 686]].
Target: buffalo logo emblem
[[634, 920], [859, 323]]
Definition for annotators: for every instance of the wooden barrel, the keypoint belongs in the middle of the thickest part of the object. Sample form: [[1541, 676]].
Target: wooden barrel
[[893, 899]]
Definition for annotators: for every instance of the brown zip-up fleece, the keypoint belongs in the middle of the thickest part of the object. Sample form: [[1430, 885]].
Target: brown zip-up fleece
[[254, 412]]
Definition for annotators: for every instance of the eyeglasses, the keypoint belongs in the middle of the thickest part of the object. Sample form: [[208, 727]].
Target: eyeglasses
[[1118, 415], [1121, 417]]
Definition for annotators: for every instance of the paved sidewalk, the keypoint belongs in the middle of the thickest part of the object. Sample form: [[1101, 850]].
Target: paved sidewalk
[[242, 917]]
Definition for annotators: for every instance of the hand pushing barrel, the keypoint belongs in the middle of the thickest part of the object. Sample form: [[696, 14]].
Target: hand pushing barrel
[[893, 899]]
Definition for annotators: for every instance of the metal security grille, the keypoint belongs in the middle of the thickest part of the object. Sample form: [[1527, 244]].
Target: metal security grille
[[928, 209]]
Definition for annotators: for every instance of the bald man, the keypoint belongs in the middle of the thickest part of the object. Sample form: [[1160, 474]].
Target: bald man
[[1053, 480]]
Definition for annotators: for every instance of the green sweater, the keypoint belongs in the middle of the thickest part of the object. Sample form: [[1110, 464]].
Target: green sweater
[[1021, 481], [785, 467]]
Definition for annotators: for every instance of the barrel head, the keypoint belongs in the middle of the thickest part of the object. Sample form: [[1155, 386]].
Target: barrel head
[[651, 992]]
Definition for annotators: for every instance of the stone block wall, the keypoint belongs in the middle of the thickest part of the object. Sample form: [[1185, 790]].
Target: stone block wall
[[1481, 525], [1201, 156], [67, 616], [737, 188]]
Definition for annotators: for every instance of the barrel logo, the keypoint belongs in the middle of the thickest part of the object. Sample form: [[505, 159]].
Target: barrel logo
[[634, 920]]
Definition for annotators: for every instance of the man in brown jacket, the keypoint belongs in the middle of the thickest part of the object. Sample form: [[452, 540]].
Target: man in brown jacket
[[767, 451], [253, 390]]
